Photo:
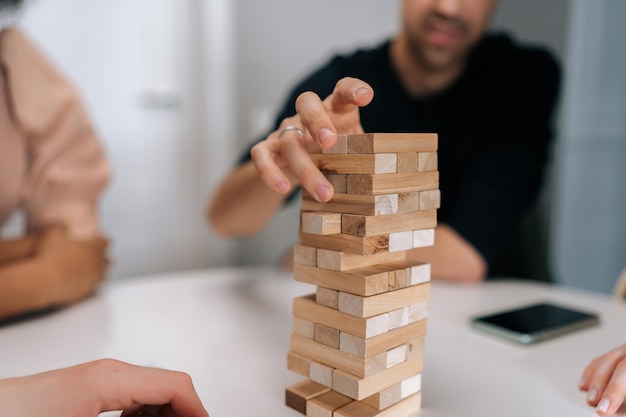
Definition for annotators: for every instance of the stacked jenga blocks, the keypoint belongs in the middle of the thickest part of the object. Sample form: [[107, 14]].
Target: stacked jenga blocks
[[359, 339]]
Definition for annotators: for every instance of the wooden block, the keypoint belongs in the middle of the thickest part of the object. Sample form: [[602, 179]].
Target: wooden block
[[359, 225], [363, 281], [399, 317], [343, 261], [423, 238], [429, 199], [298, 364], [341, 146], [395, 393], [360, 306], [323, 357], [420, 274], [409, 201], [400, 241], [369, 205], [367, 348], [392, 142], [418, 311], [359, 388], [298, 394], [325, 404], [392, 183], [304, 255], [306, 308], [415, 348], [427, 161], [339, 182], [321, 374], [327, 297], [326, 336], [321, 222], [379, 163], [359, 245], [407, 162], [304, 327], [404, 408]]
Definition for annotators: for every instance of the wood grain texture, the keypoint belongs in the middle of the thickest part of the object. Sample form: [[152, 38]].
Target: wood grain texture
[[429, 199], [404, 408], [366, 348], [359, 225], [359, 245], [369, 205], [305, 255], [379, 163], [325, 404], [391, 183], [427, 161], [298, 364], [391, 142], [298, 394], [361, 306], [395, 393], [340, 147], [363, 281], [320, 222], [344, 261]]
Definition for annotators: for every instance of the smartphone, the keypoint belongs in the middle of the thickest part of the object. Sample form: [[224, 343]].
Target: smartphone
[[535, 323]]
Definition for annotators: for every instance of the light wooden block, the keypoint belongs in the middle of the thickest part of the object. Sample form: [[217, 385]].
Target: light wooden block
[[409, 201], [360, 306], [344, 261], [379, 163], [429, 199], [395, 393], [400, 241], [427, 161], [359, 245], [423, 238], [305, 307], [327, 297], [341, 146], [304, 327], [420, 273], [363, 281], [297, 395], [369, 205], [320, 222], [339, 182], [404, 408], [304, 255], [415, 348], [392, 183], [321, 374], [399, 317], [418, 311], [325, 404], [326, 336], [367, 348], [359, 225], [298, 364], [359, 388], [407, 162], [392, 142]]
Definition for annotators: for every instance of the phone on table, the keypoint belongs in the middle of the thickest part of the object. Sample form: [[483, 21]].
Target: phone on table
[[535, 323]]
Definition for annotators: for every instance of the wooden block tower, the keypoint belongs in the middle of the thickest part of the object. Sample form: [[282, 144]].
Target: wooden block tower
[[359, 339]]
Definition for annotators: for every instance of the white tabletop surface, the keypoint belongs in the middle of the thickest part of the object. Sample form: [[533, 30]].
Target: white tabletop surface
[[229, 329]]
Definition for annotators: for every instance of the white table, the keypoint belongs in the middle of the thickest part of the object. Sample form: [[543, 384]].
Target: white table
[[229, 329]]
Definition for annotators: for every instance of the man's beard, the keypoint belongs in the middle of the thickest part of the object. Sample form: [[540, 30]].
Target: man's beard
[[10, 4]]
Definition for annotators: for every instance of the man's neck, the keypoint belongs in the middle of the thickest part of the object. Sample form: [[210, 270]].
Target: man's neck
[[418, 80]]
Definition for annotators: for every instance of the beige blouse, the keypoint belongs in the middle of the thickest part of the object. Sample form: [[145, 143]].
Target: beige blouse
[[51, 163]]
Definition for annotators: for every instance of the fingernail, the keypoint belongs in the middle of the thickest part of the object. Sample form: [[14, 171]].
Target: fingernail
[[603, 405], [360, 91], [592, 394], [324, 136], [323, 192], [282, 187]]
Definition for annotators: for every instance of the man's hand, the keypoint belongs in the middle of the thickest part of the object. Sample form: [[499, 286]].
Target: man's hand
[[99, 386], [283, 161]]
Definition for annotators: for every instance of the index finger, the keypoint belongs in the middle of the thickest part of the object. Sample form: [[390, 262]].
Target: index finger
[[123, 385]]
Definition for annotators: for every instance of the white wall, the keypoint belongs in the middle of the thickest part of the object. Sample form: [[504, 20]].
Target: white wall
[[589, 245], [140, 68]]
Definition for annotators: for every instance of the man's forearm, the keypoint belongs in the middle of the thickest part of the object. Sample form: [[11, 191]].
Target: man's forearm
[[22, 287], [243, 204]]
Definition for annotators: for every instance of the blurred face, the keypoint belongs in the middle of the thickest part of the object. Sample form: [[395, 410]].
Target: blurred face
[[440, 33]]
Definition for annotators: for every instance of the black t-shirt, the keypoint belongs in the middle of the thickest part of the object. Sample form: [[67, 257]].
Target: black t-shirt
[[494, 126]]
